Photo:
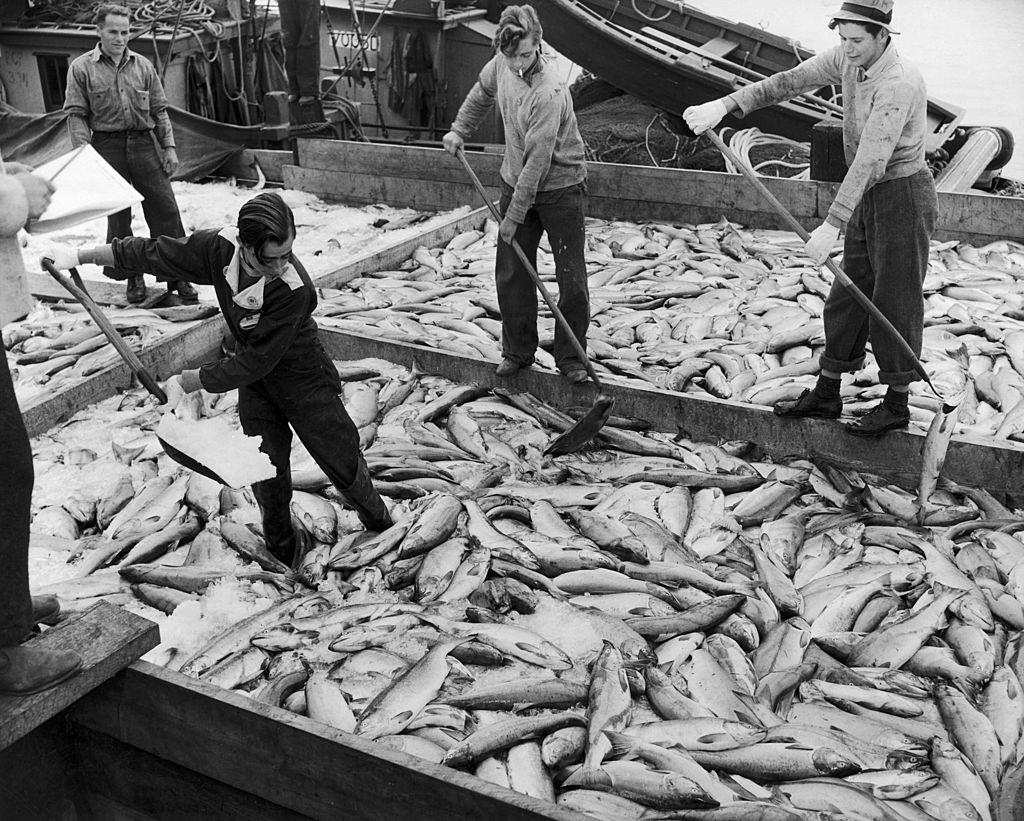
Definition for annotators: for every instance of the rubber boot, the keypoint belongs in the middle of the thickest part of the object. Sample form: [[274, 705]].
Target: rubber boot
[[366, 502], [186, 292], [28, 670], [45, 609], [135, 292]]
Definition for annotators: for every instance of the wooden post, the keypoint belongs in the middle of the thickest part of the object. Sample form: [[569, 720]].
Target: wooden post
[[828, 160]]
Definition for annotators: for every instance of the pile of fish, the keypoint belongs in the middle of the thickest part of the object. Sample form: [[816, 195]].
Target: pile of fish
[[58, 345], [712, 309], [654, 628]]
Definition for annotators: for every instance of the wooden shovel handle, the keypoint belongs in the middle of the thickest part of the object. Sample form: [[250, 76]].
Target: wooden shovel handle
[[552, 306], [77, 290]]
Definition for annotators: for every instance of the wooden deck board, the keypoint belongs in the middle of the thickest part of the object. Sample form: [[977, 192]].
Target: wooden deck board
[[287, 759], [896, 456], [170, 355], [391, 256], [340, 169], [107, 637], [46, 288]]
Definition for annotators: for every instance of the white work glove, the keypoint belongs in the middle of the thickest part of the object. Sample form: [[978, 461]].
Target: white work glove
[[452, 142], [821, 242], [175, 393], [62, 257], [702, 117]]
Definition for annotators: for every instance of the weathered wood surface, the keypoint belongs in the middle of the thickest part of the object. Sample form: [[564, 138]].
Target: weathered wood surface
[[391, 256], [405, 192], [171, 354], [36, 776], [107, 638], [896, 456], [118, 782], [287, 759], [46, 288], [339, 169]]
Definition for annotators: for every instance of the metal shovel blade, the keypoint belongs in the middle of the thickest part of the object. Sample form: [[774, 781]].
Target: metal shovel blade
[[584, 430], [187, 461]]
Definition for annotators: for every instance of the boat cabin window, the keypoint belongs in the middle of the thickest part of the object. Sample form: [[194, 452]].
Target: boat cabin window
[[53, 77]]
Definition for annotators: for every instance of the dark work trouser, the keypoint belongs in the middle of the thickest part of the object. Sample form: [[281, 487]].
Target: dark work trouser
[[16, 477], [309, 404], [134, 156], [560, 213], [885, 253], [300, 27]]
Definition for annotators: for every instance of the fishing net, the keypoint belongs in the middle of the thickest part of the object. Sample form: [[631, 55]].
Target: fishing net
[[620, 128]]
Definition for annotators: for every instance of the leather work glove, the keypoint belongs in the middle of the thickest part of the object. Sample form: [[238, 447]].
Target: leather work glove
[[700, 118], [452, 142], [63, 257], [821, 242]]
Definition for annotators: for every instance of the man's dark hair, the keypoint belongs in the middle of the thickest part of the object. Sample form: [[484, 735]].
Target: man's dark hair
[[515, 25], [106, 9], [874, 29], [265, 218]]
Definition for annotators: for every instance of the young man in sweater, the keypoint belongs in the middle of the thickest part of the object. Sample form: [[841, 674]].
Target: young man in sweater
[[886, 206], [543, 188]]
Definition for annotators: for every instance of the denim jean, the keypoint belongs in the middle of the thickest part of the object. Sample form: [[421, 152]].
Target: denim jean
[[307, 402], [16, 477], [885, 254], [300, 28], [134, 156], [560, 213]]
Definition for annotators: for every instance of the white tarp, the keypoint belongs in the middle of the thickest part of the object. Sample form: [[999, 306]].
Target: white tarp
[[87, 188]]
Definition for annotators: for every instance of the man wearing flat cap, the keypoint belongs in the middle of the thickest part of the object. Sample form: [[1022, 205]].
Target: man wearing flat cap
[[885, 206]]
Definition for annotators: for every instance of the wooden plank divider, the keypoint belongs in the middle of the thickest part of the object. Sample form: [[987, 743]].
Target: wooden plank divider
[[107, 637], [409, 174], [288, 759], [996, 466], [168, 356]]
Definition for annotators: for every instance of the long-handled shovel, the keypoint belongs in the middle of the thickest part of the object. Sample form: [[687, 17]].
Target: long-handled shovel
[[594, 419], [940, 431], [77, 289], [839, 273]]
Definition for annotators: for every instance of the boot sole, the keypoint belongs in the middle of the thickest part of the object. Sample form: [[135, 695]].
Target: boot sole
[[42, 688], [856, 431], [810, 415]]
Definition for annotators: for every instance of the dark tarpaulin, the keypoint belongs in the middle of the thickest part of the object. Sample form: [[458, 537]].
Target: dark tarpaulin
[[203, 145]]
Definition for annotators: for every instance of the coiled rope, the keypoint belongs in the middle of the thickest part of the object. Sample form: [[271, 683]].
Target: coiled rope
[[742, 142]]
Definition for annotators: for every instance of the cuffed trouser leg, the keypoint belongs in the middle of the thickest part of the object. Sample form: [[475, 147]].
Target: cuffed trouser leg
[[260, 416], [16, 478], [561, 215], [885, 253]]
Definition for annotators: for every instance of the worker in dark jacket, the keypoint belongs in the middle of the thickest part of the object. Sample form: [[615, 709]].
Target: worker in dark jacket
[[115, 101], [543, 188], [886, 204], [282, 373]]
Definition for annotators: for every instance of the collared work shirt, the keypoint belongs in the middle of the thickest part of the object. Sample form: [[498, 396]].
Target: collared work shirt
[[884, 116], [275, 334], [102, 96], [543, 146]]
